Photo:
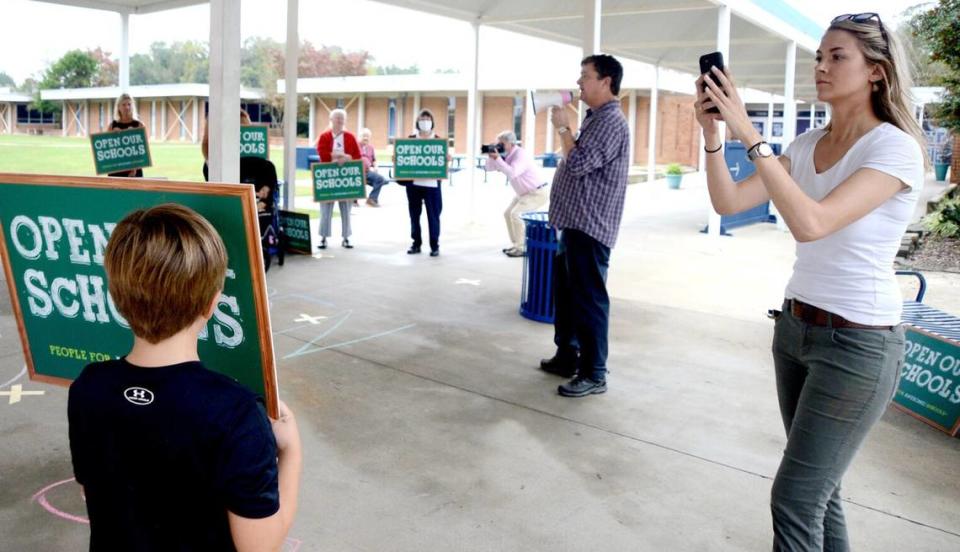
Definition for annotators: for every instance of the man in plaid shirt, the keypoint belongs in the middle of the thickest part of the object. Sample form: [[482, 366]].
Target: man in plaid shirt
[[586, 205]]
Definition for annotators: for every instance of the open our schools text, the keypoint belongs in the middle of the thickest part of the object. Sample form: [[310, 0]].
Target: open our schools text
[[44, 238]]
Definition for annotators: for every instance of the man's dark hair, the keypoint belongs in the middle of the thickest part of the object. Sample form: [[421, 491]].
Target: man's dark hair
[[606, 66]]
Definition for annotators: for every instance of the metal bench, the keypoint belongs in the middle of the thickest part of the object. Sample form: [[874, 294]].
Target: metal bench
[[926, 317]]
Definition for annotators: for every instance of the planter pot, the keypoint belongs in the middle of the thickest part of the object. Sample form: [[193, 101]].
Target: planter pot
[[941, 171], [673, 180]]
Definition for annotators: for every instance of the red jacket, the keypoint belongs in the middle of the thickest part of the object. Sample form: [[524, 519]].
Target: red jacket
[[325, 146]]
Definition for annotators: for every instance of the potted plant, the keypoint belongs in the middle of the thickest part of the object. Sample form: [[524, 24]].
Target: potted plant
[[674, 173]]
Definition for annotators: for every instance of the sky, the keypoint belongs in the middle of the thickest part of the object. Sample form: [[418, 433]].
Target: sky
[[431, 42]]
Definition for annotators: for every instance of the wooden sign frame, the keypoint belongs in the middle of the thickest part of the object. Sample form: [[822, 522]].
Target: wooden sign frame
[[246, 195]]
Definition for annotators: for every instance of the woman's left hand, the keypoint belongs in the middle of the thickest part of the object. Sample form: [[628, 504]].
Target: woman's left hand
[[726, 98]]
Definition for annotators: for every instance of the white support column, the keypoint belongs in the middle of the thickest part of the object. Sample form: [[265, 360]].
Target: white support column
[[163, 117], [592, 23], [591, 26], [86, 115], [153, 119], [312, 124], [416, 105], [632, 125], [548, 146], [652, 127], [63, 117], [290, 104], [472, 107], [124, 68], [361, 112], [789, 113], [224, 136], [529, 125], [196, 120], [723, 46]]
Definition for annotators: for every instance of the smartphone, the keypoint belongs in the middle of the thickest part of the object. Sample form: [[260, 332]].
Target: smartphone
[[713, 59]]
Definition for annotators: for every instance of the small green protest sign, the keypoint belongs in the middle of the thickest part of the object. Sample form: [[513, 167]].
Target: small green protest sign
[[296, 229], [125, 150], [254, 142], [334, 182], [415, 158], [930, 380]]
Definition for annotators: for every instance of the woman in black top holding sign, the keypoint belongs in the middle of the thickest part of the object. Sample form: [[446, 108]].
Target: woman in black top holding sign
[[424, 192], [124, 120]]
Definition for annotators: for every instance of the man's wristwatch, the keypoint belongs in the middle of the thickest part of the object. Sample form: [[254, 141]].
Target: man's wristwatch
[[758, 150], [563, 130]]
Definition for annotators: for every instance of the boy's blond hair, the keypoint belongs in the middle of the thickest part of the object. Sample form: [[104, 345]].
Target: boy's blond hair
[[164, 265]]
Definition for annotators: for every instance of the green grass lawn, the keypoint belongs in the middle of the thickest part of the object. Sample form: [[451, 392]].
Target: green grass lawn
[[72, 156]]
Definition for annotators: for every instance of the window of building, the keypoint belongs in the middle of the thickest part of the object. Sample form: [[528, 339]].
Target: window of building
[[392, 118], [518, 115], [341, 103], [27, 116]]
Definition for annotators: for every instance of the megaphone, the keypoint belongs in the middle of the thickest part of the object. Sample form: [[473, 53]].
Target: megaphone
[[545, 100]]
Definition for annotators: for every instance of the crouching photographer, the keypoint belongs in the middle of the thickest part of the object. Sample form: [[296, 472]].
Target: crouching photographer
[[510, 159]]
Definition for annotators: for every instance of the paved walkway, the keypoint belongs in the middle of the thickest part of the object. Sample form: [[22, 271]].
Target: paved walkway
[[428, 427]]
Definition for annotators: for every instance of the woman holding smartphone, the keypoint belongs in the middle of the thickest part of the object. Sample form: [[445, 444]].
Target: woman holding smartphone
[[847, 193]]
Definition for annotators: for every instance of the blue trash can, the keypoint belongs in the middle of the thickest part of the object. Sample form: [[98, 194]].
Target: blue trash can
[[536, 296], [550, 160]]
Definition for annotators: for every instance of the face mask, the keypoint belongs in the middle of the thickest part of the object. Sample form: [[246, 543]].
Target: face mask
[[425, 125]]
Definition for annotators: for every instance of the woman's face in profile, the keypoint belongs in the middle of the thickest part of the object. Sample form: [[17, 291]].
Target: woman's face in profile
[[841, 70]]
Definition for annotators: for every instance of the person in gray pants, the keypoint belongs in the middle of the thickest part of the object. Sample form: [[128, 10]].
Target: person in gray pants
[[847, 193]]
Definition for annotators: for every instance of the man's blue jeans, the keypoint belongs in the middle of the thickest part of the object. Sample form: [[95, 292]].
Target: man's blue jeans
[[376, 181], [582, 305], [833, 385]]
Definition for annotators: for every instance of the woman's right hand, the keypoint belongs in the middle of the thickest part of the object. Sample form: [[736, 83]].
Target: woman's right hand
[[285, 429], [708, 121]]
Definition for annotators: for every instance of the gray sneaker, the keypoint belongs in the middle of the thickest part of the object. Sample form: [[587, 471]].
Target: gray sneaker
[[581, 387]]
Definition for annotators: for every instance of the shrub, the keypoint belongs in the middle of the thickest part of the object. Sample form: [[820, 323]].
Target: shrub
[[945, 221], [674, 168]]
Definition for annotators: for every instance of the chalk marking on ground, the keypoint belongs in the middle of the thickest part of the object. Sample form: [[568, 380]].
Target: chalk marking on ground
[[16, 377], [16, 393], [301, 351]]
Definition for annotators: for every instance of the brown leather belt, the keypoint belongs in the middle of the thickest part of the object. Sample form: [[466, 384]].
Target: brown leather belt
[[818, 317]]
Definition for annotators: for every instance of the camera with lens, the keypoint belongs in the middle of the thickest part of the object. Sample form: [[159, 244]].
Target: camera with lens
[[486, 149]]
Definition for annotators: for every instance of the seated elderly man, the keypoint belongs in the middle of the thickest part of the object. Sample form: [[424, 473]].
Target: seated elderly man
[[523, 175]]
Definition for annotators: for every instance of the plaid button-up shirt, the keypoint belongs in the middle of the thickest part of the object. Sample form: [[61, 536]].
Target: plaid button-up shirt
[[590, 184]]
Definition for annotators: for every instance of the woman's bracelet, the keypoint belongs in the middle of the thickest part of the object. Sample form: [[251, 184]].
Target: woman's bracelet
[[720, 147]]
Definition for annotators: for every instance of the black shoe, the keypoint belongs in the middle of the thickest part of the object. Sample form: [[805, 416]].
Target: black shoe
[[414, 250], [505, 249], [435, 252], [323, 244], [346, 244], [581, 387], [516, 253], [560, 366]]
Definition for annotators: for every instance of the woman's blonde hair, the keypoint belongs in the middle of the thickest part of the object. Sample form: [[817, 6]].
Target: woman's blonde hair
[[116, 106], [890, 97]]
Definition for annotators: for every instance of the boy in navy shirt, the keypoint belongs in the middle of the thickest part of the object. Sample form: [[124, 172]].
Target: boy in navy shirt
[[172, 456]]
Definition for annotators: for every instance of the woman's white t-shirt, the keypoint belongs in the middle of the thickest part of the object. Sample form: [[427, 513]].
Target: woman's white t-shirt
[[850, 272]]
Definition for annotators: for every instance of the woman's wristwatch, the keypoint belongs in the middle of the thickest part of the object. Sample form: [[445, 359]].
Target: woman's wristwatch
[[758, 150]]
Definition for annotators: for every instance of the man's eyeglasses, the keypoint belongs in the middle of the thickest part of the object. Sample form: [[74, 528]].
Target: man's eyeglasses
[[863, 18]]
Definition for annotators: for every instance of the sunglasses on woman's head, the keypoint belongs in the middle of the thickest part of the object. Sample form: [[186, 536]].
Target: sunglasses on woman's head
[[863, 18]]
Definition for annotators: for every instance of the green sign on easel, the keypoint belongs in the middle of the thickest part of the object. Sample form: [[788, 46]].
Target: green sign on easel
[[930, 380], [119, 151], [335, 182], [415, 158], [254, 142], [53, 235]]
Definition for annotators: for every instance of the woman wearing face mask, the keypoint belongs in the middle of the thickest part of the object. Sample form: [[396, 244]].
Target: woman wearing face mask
[[847, 193], [424, 192], [124, 120]]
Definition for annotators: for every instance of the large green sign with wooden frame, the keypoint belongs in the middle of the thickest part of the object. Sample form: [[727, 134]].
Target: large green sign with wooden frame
[[930, 380], [53, 234], [415, 158], [118, 151], [336, 182]]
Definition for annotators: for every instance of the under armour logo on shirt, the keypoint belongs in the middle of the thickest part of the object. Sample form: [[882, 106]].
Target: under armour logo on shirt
[[138, 396]]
